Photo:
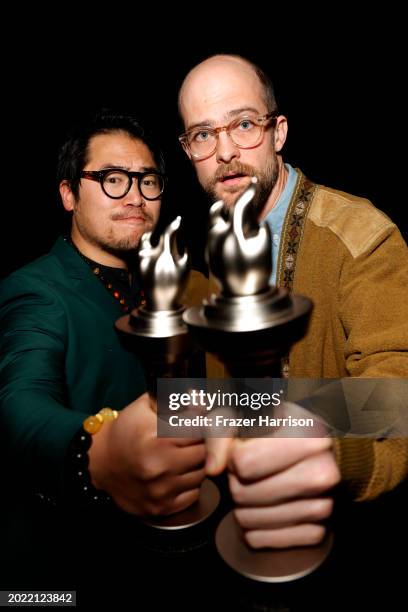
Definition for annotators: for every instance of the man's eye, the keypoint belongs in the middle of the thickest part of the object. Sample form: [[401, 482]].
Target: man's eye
[[202, 136], [150, 182], [115, 179], [246, 124]]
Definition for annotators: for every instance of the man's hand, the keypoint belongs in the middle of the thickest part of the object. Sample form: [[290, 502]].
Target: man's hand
[[279, 485], [144, 474]]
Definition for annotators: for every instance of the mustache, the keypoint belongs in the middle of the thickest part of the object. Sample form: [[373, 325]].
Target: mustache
[[235, 167], [120, 216]]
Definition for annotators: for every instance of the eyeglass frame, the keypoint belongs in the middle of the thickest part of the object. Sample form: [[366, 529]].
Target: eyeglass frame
[[99, 176], [263, 119]]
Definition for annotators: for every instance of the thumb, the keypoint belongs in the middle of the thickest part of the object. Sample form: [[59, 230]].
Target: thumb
[[218, 451]]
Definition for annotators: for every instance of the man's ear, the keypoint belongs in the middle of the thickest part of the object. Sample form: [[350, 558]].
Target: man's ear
[[67, 197], [281, 132]]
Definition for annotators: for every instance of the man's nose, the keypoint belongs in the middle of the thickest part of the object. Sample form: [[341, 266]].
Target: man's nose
[[226, 148], [133, 196]]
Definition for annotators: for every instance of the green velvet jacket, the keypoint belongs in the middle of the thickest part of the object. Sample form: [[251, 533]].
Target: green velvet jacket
[[60, 360]]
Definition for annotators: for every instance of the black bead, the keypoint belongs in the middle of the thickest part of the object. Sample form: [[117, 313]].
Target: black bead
[[79, 487]]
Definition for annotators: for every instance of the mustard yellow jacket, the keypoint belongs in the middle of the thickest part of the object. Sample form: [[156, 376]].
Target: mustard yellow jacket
[[351, 260]]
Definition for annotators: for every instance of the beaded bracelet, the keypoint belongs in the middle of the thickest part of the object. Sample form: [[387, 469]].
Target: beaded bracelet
[[93, 423], [78, 479]]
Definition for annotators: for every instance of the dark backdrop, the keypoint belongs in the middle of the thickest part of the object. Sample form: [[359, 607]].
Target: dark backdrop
[[340, 84], [341, 96]]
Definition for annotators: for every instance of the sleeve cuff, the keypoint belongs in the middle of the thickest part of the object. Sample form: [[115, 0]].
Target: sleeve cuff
[[355, 458]]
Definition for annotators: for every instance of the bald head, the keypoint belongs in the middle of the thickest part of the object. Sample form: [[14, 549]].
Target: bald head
[[219, 77], [228, 102]]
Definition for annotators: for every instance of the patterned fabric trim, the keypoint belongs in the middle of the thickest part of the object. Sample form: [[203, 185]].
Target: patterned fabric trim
[[291, 239]]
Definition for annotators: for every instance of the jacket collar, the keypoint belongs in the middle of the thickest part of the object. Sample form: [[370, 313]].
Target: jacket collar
[[73, 264], [76, 268]]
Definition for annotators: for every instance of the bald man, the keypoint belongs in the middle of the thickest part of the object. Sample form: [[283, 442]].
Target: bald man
[[337, 249]]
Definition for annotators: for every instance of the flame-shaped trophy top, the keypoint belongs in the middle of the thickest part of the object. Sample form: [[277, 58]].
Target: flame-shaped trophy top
[[239, 248], [164, 271]]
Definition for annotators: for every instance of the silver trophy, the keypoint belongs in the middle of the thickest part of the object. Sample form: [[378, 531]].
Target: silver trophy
[[250, 326], [163, 341], [159, 336]]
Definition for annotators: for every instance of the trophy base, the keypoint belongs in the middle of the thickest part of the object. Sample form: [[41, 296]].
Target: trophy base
[[273, 308], [250, 334], [206, 504], [267, 565], [160, 324]]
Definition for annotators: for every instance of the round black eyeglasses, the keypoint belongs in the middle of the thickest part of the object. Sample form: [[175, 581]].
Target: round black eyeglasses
[[117, 183]]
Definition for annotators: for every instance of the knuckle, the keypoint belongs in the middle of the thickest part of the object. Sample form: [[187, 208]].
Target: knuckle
[[186, 500], [197, 479], [242, 517], [253, 540], [315, 534], [153, 508], [237, 491], [150, 470], [243, 461], [157, 494], [193, 495], [162, 505], [321, 509], [325, 474]]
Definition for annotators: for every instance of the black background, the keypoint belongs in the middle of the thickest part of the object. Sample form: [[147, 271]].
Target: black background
[[340, 81], [340, 86]]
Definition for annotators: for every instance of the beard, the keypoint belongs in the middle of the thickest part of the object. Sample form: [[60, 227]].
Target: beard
[[266, 182], [120, 246]]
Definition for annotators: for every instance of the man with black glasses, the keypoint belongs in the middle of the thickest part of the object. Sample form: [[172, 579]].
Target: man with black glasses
[[77, 430]]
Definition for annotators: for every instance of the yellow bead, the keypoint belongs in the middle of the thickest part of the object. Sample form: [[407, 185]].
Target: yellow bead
[[92, 424], [108, 414]]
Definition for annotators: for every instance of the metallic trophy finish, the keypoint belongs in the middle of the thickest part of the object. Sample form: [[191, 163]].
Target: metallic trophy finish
[[250, 326], [161, 339], [163, 342]]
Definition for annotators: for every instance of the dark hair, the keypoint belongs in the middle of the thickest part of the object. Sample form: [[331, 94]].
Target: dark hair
[[73, 155]]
